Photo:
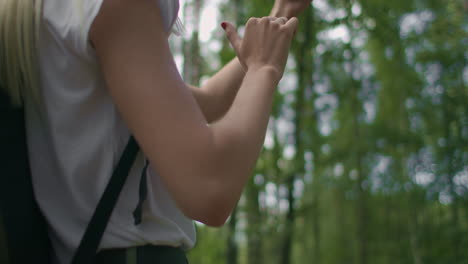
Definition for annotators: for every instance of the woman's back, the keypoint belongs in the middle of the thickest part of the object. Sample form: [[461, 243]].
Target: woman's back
[[76, 136]]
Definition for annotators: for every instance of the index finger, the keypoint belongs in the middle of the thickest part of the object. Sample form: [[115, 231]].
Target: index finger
[[292, 23]]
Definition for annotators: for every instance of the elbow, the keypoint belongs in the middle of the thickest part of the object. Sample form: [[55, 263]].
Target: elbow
[[210, 217], [212, 213], [210, 193], [213, 220], [213, 208]]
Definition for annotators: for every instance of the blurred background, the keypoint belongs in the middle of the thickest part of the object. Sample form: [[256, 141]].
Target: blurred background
[[366, 155]]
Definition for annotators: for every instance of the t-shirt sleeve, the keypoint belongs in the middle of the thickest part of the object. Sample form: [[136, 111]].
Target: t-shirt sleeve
[[91, 10], [70, 21]]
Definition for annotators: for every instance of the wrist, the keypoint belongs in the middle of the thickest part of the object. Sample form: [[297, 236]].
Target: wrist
[[278, 11], [270, 73]]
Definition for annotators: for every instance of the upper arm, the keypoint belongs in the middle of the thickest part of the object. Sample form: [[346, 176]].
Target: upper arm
[[142, 78]]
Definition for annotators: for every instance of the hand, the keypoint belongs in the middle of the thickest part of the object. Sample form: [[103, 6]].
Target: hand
[[266, 42], [289, 8]]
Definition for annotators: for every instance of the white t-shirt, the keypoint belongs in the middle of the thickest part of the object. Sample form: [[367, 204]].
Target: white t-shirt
[[76, 137]]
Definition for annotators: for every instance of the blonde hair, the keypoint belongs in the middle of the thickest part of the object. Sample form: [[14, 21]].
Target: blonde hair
[[19, 32]]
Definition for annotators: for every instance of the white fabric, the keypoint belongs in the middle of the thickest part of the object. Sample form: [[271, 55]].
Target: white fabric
[[76, 137]]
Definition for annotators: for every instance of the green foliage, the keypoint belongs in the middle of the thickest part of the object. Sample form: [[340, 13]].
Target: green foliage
[[369, 134]]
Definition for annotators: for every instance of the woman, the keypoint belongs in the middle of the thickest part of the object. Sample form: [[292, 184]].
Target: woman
[[105, 71]]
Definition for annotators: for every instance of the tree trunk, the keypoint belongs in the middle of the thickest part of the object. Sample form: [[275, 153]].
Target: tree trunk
[[254, 225], [192, 67], [289, 224], [232, 249]]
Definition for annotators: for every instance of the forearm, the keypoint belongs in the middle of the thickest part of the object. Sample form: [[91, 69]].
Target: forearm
[[215, 97], [225, 154], [240, 133]]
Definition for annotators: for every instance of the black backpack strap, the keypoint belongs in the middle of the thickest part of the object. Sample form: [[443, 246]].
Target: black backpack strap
[[143, 192], [89, 244], [24, 233]]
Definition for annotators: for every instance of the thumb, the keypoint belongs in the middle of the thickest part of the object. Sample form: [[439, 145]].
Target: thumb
[[232, 35]]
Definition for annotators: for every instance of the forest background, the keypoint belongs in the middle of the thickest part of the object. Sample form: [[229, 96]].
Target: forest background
[[366, 155]]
